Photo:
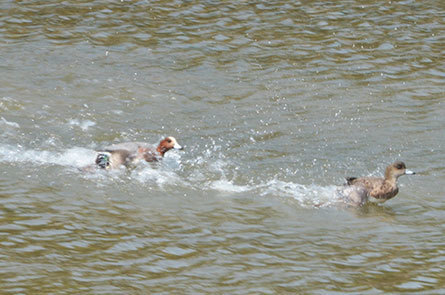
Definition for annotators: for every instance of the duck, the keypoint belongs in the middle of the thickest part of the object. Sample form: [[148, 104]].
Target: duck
[[376, 189], [128, 153]]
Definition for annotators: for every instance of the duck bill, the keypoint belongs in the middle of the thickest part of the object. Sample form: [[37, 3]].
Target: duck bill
[[178, 147], [409, 172]]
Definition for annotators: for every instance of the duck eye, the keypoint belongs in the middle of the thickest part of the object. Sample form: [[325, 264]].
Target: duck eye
[[169, 141]]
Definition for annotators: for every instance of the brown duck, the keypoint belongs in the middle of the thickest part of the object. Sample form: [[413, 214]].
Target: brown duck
[[381, 189]]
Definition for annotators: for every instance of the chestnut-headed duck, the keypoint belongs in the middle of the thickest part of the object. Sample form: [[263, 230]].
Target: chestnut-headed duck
[[376, 189], [127, 153]]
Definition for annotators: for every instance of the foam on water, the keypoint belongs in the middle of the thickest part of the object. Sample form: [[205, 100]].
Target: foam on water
[[5, 122], [224, 185], [84, 125], [306, 195], [74, 157], [161, 177]]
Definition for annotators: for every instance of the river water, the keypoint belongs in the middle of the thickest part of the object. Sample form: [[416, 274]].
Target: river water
[[275, 102]]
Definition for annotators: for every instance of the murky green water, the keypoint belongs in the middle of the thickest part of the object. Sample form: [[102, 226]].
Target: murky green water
[[276, 102]]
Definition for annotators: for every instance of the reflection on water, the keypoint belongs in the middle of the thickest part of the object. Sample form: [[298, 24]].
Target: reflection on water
[[275, 103]]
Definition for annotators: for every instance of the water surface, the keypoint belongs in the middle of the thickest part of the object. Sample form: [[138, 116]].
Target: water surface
[[275, 102]]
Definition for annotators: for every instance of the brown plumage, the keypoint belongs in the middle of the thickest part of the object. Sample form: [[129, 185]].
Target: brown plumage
[[381, 189]]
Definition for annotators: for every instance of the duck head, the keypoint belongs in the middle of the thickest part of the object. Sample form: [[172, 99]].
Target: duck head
[[167, 144], [396, 170]]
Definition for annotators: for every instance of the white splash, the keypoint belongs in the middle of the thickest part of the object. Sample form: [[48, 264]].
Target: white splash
[[74, 157], [227, 186], [307, 195], [157, 175], [84, 125], [7, 123]]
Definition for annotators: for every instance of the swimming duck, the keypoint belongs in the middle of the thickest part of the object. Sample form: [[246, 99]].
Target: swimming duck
[[377, 189], [127, 153]]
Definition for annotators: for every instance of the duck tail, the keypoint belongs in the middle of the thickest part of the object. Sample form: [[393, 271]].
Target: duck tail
[[103, 160], [350, 180]]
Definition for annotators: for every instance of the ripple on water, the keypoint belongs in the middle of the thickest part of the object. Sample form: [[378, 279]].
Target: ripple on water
[[275, 102]]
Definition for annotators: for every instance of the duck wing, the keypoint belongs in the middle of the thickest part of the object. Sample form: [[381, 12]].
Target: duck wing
[[131, 147], [369, 183]]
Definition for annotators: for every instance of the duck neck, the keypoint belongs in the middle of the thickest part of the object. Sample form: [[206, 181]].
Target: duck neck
[[161, 150], [390, 178]]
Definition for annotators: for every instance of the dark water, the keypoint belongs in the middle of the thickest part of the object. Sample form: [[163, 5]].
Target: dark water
[[276, 102]]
